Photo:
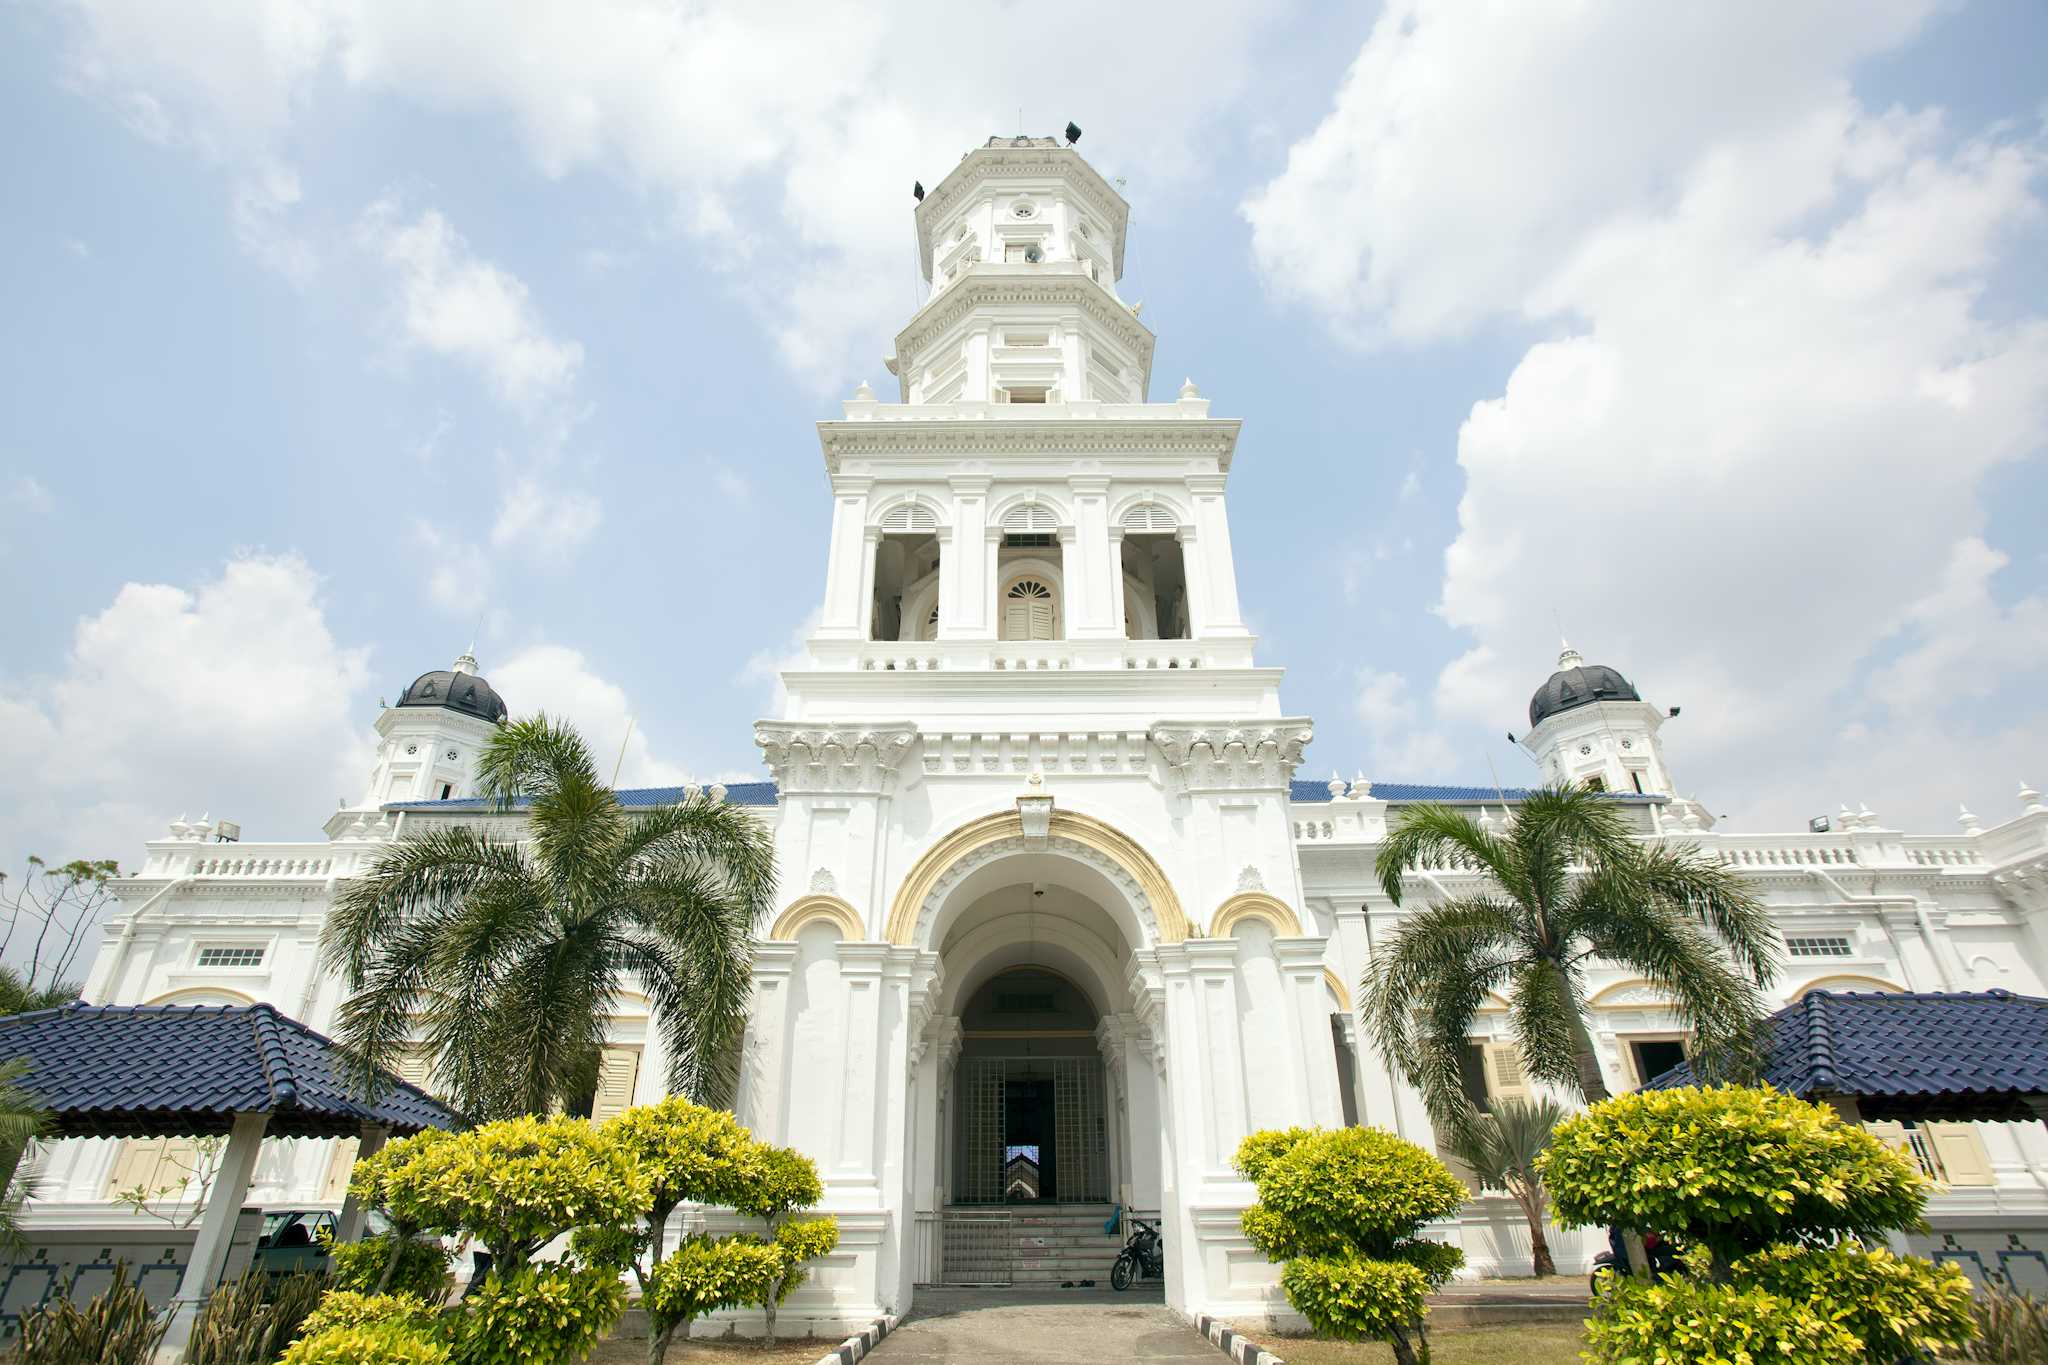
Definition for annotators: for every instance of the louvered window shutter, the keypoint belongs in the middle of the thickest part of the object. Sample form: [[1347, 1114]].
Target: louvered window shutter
[[1961, 1151], [618, 1072], [1504, 1077]]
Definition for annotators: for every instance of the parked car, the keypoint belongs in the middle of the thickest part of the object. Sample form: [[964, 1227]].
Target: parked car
[[292, 1239]]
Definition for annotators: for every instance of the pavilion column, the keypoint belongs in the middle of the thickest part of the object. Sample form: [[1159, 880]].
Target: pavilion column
[[353, 1210], [216, 1228]]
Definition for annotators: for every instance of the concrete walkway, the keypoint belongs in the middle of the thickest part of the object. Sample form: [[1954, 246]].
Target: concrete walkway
[[1043, 1327]]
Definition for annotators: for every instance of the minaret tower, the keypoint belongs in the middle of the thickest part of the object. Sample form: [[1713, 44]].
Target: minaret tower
[[1022, 507], [427, 744], [1591, 726]]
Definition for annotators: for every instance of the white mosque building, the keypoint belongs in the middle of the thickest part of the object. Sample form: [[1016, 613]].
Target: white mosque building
[[1059, 924]]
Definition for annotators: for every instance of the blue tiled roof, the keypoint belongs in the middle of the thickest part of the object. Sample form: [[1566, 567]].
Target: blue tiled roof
[[187, 1070], [736, 793], [1926, 1055]]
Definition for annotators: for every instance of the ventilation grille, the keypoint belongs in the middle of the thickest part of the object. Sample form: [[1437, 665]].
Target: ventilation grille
[[1150, 518], [1817, 945], [910, 516], [1034, 518]]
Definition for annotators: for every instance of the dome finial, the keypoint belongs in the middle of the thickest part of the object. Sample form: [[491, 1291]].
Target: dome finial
[[1567, 656], [465, 662]]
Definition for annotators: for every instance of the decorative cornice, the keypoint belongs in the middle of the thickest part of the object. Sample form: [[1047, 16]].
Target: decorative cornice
[[808, 759], [998, 162], [993, 283], [1228, 756], [951, 440]]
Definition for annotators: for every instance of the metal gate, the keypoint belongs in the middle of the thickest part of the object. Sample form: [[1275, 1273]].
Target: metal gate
[[976, 1247], [1079, 1141]]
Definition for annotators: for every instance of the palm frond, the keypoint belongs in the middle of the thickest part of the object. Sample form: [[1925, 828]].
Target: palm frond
[[1720, 1005], [1429, 830], [1718, 897], [1542, 1003], [422, 874]]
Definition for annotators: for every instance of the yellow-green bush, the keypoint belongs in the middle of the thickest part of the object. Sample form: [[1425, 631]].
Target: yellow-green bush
[[1686, 1322], [705, 1274], [1897, 1306], [348, 1308], [538, 1315], [692, 1154], [517, 1184], [383, 1343], [1730, 1168], [1343, 1209], [421, 1270]]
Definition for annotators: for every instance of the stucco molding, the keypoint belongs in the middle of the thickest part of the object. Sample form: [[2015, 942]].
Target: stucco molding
[[1255, 905], [861, 759], [1071, 834], [812, 909]]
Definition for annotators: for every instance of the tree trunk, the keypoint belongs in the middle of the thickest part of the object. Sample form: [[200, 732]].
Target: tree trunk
[[1591, 1084], [657, 1342], [774, 1293], [1540, 1262], [390, 1261], [1404, 1354]]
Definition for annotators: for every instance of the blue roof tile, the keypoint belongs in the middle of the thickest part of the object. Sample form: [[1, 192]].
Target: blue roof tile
[[1396, 793], [187, 1070], [736, 793], [1916, 1055]]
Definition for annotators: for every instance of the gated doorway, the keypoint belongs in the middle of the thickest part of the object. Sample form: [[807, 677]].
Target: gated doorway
[[1032, 1130]]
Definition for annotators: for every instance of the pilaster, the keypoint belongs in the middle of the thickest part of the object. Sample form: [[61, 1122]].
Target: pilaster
[[848, 562]]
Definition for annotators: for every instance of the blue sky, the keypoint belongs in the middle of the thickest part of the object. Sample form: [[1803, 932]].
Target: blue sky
[[1716, 335]]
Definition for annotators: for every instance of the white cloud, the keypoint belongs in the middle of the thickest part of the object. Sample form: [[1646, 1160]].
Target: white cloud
[[558, 680], [1966, 644], [261, 214], [1758, 434], [1400, 747], [456, 305], [458, 573], [232, 697], [764, 668], [787, 133], [544, 516]]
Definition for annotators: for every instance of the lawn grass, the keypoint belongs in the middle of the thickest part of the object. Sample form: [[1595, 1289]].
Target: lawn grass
[[1536, 1343]]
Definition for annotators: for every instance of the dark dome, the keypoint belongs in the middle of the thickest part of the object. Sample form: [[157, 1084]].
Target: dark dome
[[458, 689], [1578, 683]]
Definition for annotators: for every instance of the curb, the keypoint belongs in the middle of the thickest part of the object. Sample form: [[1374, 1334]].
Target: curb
[[1227, 1340], [854, 1347]]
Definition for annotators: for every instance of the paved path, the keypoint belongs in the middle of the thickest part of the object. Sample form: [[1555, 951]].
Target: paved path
[[1042, 1327]]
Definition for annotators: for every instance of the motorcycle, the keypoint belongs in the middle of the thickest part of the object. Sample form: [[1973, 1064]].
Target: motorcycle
[[1144, 1254], [1614, 1261]]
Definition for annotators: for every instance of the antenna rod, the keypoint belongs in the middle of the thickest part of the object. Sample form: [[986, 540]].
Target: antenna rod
[[622, 752]]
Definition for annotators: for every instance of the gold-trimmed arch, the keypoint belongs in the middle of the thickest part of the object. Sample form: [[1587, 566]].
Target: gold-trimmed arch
[[185, 995], [1254, 905], [1085, 830], [1605, 995], [811, 909], [1851, 982], [1337, 987]]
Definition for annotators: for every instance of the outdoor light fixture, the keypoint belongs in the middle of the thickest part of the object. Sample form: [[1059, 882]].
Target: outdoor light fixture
[[917, 190], [1073, 133], [1820, 824]]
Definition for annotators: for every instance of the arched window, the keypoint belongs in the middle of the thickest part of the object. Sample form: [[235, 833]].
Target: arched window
[[1028, 610]]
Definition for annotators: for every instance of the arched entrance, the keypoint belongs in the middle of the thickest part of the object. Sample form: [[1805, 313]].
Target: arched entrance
[[1045, 1104]]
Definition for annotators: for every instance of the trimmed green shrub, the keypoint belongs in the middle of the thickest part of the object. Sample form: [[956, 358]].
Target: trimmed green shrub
[[250, 1320], [348, 1308], [517, 1184], [421, 1268], [1344, 1209], [114, 1327], [781, 1181], [1729, 1168], [1686, 1322], [1897, 1306], [537, 1315], [703, 1275], [381, 1343]]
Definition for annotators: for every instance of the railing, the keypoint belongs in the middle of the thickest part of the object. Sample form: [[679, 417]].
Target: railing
[[260, 866], [1034, 656], [1774, 854], [1943, 851], [979, 1248]]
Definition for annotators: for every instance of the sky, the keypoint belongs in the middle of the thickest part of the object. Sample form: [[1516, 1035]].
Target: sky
[[339, 333]]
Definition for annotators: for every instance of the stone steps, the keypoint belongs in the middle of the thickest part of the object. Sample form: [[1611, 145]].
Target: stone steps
[[1048, 1246]]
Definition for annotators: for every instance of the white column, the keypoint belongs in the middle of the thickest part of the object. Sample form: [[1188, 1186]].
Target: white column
[[1315, 1055], [848, 562], [1213, 964], [968, 564], [1197, 582], [762, 1101], [354, 1210], [1119, 609], [871, 545], [1218, 567], [854, 1171], [216, 1227], [1090, 591]]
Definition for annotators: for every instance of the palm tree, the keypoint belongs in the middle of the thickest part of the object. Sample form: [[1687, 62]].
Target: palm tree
[[22, 1120], [501, 955], [1501, 1149], [1566, 884]]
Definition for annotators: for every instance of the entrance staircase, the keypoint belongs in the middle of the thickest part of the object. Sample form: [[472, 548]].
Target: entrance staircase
[[1056, 1243]]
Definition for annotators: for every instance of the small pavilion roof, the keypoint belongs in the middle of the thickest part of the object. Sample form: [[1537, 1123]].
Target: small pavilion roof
[[187, 1070], [1927, 1055]]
